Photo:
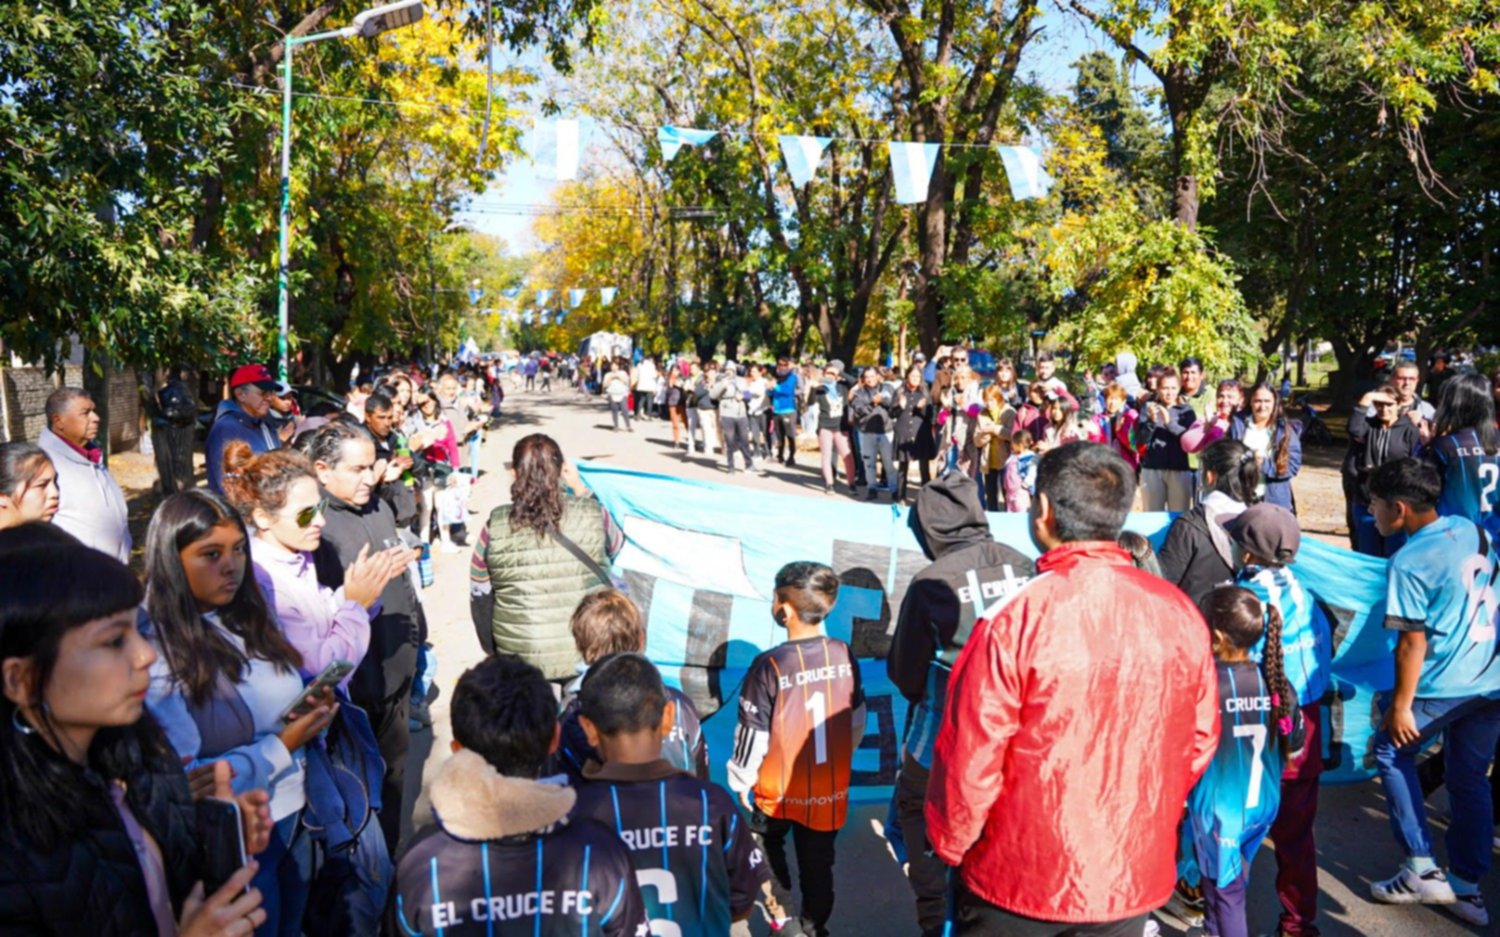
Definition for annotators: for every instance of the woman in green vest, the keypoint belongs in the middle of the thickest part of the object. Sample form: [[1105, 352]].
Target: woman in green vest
[[537, 557]]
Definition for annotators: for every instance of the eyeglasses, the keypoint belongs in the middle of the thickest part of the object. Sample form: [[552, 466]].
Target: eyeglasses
[[305, 516], [961, 359]]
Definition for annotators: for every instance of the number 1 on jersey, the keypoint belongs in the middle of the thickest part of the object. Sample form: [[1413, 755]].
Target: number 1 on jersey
[[817, 705]]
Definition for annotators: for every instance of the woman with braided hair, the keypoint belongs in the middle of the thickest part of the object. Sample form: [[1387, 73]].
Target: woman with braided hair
[[1236, 800]]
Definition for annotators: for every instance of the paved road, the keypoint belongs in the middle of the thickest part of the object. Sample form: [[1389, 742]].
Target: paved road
[[1355, 843]]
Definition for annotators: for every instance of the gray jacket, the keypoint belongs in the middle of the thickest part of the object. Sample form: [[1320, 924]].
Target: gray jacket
[[92, 506], [730, 393]]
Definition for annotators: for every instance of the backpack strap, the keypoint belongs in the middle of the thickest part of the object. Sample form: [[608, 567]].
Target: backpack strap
[[564, 541]]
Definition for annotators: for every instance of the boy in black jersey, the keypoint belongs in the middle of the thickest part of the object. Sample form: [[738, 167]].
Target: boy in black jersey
[[802, 715], [502, 858], [697, 864], [607, 622]]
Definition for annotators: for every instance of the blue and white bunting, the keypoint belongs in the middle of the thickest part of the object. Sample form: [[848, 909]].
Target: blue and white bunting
[[541, 297], [526, 317], [672, 139], [575, 297], [911, 169], [802, 155], [511, 292], [567, 149], [1023, 167], [606, 295]]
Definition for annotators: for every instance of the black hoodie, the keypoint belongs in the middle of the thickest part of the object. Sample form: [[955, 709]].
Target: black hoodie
[[970, 572]]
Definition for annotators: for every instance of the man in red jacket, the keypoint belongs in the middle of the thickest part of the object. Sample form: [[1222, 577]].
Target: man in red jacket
[[1079, 715]]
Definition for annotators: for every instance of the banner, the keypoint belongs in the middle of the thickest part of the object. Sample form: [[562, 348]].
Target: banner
[[567, 149], [1023, 167], [699, 564], [672, 139], [802, 155], [911, 169], [606, 295], [575, 297], [541, 297]]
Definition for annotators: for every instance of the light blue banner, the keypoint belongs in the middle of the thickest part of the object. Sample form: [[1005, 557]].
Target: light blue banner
[[575, 297], [606, 295], [700, 559], [672, 139], [541, 297], [911, 169], [802, 155], [1023, 167]]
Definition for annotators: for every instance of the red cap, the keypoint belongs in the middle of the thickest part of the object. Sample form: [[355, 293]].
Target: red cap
[[252, 374]]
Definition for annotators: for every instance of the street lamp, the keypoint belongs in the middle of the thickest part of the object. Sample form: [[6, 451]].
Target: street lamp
[[368, 24]]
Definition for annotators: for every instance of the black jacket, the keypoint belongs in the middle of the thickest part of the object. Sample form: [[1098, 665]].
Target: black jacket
[[866, 415], [1197, 554], [400, 628], [400, 496], [914, 437], [1370, 447], [94, 885]]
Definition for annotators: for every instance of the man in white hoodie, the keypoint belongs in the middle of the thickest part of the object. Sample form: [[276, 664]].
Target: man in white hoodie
[[92, 506]]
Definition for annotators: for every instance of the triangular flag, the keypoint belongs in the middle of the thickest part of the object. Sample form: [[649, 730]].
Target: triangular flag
[[673, 139], [802, 156], [561, 315], [511, 292], [541, 297], [606, 295], [567, 149], [911, 169], [527, 317], [544, 315], [1023, 167], [575, 297]]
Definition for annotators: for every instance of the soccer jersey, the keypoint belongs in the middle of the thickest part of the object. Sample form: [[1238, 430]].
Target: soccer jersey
[[1444, 582], [797, 731], [1232, 806], [1306, 641], [684, 747], [696, 863], [1471, 479]]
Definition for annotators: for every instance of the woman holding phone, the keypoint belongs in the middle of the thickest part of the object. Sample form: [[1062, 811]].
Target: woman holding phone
[[100, 830], [278, 494], [223, 677]]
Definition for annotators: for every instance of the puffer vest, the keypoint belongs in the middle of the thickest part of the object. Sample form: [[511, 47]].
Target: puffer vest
[[537, 584]]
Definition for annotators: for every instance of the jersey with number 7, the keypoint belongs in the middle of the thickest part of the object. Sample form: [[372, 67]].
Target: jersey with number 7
[[801, 717]]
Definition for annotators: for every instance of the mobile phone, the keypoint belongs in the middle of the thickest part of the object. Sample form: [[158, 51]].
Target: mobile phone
[[221, 842], [327, 680]]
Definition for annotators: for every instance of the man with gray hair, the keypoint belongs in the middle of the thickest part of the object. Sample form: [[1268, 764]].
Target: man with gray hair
[[92, 506]]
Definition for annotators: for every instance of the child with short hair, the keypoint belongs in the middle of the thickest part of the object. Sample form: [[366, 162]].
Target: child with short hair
[[698, 866], [802, 715], [1232, 806], [1020, 472], [607, 622], [503, 858], [1267, 538]]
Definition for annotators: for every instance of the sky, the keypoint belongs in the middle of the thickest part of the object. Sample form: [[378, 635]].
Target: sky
[[508, 209]]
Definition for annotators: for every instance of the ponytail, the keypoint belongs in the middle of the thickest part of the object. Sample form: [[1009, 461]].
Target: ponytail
[[1236, 473], [1272, 669]]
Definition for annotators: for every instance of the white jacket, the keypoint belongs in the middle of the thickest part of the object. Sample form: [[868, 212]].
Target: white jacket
[[91, 504]]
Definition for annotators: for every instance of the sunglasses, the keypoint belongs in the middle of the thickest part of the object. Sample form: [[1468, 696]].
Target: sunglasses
[[305, 516]]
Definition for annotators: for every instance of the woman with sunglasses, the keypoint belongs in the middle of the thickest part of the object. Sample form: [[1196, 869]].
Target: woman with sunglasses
[[278, 493], [224, 675]]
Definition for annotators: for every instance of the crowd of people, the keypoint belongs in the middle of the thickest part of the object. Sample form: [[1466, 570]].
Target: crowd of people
[[273, 657]]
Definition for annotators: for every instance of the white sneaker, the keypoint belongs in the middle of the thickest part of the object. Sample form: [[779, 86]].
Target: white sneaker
[[1470, 908], [448, 546], [1407, 887]]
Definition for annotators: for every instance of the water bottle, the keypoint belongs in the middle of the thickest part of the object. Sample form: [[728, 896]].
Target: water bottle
[[424, 565]]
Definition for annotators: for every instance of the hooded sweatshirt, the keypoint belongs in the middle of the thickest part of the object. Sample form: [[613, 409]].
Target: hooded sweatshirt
[[969, 574], [1125, 375], [231, 423]]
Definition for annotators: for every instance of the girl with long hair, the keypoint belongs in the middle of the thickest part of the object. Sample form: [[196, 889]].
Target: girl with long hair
[[28, 485], [1276, 442], [97, 816], [223, 676], [1197, 553], [1465, 449]]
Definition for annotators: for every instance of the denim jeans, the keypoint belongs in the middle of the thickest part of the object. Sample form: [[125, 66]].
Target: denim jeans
[[1472, 725], [284, 878]]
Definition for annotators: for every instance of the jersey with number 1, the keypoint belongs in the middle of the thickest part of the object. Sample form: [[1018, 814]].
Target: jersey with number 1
[[1471, 479], [804, 694], [1232, 806]]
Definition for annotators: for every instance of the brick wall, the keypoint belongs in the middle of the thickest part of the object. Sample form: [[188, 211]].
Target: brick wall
[[26, 390]]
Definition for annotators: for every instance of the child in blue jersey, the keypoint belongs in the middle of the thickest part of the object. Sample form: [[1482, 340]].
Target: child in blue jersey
[[1465, 450], [1232, 806], [697, 864], [1266, 538], [607, 622], [1442, 600]]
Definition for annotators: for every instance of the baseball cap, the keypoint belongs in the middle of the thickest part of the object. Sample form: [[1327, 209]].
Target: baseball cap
[[836, 366], [1267, 530], [919, 357], [283, 389], [252, 374]]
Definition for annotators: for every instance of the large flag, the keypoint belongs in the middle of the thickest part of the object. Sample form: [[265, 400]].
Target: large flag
[[911, 169], [672, 139], [1023, 167], [802, 155], [703, 582], [567, 149]]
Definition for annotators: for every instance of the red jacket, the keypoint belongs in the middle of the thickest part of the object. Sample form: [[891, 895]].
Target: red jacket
[[1079, 715]]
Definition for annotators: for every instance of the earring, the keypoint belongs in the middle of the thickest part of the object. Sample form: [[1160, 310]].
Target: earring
[[19, 724]]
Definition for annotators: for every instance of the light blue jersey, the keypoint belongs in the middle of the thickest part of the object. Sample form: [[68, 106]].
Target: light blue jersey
[[1443, 582], [1306, 642], [1471, 479], [1232, 806]]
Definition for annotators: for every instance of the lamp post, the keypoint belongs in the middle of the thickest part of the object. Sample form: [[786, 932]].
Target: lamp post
[[369, 23]]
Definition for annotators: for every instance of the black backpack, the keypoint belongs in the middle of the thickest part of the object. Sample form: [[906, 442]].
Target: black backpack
[[176, 403]]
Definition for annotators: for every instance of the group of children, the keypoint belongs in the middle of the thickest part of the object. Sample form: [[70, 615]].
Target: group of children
[[597, 816]]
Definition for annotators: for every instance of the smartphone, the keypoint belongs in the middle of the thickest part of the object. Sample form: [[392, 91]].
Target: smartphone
[[330, 678], [221, 842]]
